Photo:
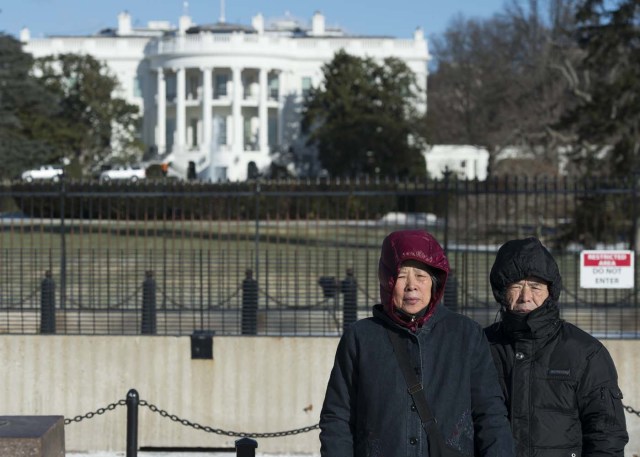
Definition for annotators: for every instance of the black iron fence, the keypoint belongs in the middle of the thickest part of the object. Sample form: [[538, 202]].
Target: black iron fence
[[286, 258]]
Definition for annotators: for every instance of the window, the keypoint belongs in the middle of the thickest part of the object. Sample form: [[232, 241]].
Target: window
[[273, 130], [250, 87], [220, 88], [137, 88], [194, 132], [252, 170], [306, 85], [170, 127], [171, 87], [194, 83], [274, 87], [220, 130], [248, 137]]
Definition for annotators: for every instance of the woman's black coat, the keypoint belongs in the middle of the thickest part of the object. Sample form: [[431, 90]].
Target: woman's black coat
[[368, 411]]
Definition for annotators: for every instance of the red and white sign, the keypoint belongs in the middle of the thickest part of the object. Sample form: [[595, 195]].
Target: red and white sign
[[607, 269]]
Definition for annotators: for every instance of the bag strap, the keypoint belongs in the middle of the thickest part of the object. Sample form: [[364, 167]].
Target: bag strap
[[413, 384]]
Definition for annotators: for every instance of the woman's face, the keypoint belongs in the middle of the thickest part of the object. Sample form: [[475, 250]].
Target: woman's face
[[412, 291]]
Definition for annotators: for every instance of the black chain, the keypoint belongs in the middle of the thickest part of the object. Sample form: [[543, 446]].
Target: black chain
[[630, 410], [219, 431], [97, 412], [188, 423]]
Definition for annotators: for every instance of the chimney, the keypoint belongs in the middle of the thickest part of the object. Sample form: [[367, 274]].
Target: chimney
[[124, 23], [184, 24], [258, 23], [317, 24], [25, 35], [418, 35]]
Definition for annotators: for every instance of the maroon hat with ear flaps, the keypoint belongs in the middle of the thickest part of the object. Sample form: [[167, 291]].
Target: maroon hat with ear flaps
[[404, 245]]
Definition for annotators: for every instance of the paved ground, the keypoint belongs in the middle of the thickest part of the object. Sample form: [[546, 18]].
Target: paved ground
[[176, 454]]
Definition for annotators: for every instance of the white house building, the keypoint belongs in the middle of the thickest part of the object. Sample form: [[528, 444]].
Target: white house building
[[221, 98]]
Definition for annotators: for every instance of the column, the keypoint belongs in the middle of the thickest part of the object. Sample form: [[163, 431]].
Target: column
[[181, 111], [161, 118], [207, 92], [263, 130], [283, 88], [236, 111]]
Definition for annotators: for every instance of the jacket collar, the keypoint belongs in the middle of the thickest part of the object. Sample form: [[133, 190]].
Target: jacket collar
[[539, 324], [433, 316]]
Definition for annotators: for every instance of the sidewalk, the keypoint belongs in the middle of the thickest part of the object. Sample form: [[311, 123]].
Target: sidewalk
[[176, 454]]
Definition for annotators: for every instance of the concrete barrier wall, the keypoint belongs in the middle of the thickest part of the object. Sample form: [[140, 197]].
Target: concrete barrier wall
[[253, 384]]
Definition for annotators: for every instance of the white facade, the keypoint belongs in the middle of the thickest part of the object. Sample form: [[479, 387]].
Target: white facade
[[466, 162], [225, 96]]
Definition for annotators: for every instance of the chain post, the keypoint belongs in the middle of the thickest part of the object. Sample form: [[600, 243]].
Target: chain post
[[246, 447], [132, 423]]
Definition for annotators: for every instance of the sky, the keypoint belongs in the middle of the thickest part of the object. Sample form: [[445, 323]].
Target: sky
[[396, 18]]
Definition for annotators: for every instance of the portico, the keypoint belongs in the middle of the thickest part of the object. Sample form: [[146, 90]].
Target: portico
[[217, 115]]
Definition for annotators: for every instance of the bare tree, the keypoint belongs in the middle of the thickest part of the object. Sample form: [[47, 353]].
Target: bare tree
[[500, 82]]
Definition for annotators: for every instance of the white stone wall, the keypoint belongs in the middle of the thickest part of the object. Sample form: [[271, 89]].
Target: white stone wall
[[253, 384]]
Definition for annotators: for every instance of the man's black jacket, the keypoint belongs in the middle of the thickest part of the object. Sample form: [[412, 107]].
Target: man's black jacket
[[560, 383]]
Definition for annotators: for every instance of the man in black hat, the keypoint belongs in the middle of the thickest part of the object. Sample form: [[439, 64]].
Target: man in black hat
[[560, 383]]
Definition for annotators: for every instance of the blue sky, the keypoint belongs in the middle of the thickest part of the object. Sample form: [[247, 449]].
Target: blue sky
[[397, 18]]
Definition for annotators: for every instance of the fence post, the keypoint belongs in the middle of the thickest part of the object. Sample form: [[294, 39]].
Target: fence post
[[246, 447], [148, 326], [634, 235], [249, 325], [47, 304], [349, 289], [63, 246], [447, 176], [132, 423], [451, 292]]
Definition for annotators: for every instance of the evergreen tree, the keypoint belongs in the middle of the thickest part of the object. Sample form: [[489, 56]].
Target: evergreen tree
[[92, 119], [605, 124], [27, 112], [363, 119], [60, 107]]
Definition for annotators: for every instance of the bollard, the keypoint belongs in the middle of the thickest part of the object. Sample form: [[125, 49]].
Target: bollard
[[329, 286], [148, 326], [48, 304], [349, 289], [249, 325], [246, 447], [132, 423]]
